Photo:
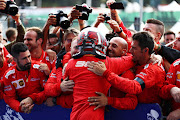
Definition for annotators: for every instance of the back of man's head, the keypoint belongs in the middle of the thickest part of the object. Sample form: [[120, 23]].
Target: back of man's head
[[10, 32], [17, 48], [145, 40]]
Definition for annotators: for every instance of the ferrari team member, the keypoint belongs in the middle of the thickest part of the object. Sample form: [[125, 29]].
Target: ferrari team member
[[149, 77], [55, 88], [23, 83], [4, 65], [92, 46], [118, 47], [33, 39], [171, 89]]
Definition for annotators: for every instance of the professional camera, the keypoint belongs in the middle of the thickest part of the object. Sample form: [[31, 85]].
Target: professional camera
[[62, 20], [106, 17], [85, 11], [11, 8]]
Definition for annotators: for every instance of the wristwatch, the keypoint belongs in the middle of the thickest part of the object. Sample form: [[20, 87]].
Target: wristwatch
[[120, 30]]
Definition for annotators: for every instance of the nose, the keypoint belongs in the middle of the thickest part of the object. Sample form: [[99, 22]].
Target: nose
[[28, 60], [26, 42]]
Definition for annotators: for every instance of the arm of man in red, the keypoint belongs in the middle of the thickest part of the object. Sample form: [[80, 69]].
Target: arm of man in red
[[146, 78], [40, 97], [10, 96], [129, 102], [170, 82], [119, 65], [66, 101], [52, 87]]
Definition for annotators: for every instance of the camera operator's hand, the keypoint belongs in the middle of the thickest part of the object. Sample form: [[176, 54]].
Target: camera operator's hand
[[109, 2], [74, 14], [114, 25], [51, 20], [2, 4], [16, 18], [100, 19]]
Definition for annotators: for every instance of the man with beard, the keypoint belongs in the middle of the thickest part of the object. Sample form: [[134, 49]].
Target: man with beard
[[23, 83]]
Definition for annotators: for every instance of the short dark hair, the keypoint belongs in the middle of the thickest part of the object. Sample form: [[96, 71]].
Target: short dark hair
[[10, 32], [145, 40], [160, 25], [169, 33], [17, 48], [52, 35]]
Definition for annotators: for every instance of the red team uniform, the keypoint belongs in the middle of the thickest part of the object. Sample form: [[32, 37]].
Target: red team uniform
[[45, 59], [153, 77], [121, 100], [87, 83], [52, 89], [172, 80], [22, 84]]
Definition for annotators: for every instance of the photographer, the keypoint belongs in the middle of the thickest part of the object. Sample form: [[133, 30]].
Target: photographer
[[19, 25]]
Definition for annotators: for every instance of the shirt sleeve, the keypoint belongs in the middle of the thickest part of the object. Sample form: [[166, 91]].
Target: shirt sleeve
[[1, 89], [129, 102], [169, 54], [10, 96], [52, 87], [123, 84], [40, 97], [169, 83], [66, 101], [119, 65]]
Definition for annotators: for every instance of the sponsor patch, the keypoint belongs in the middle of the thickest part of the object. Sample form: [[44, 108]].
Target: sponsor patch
[[169, 75], [18, 83], [7, 88], [36, 66], [9, 73], [176, 63], [146, 66], [34, 79], [53, 75], [178, 76]]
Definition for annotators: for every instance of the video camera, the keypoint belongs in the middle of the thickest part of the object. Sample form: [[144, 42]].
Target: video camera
[[106, 17], [85, 11], [11, 8], [62, 20]]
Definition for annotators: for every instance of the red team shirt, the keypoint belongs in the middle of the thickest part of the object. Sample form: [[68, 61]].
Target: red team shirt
[[153, 77], [22, 84], [45, 59], [172, 80], [121, 100], [87, 83], [52, 89]]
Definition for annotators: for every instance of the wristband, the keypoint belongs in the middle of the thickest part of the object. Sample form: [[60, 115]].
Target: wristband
[[120, 30]]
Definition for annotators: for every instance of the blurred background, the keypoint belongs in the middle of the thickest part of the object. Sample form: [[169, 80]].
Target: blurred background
[[35, 12]]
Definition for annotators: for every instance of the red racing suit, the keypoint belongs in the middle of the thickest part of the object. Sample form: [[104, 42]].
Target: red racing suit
[[147, 83], [87, 83], [45, 59], [128, 33], [22, 84], [172, 80], [52, 89], [121, 100]]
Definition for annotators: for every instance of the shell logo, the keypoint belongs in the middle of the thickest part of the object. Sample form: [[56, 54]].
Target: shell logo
[[15, 85]]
